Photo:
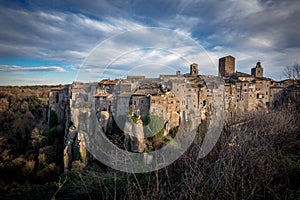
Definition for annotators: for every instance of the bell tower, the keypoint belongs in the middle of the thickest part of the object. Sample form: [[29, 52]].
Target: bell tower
[[194, 71], [257, 71]]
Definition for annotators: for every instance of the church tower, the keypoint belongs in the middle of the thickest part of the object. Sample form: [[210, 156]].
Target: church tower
[[257, 71]]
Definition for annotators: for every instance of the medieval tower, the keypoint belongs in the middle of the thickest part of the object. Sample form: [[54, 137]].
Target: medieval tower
[[194, 71], [226, 65]]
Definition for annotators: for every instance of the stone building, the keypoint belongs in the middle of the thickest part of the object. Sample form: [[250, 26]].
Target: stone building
[[194, 71], [250, 92], [104, 95], [59, 102], [245, 92], [226, 65], [189, 99], [257, 71]]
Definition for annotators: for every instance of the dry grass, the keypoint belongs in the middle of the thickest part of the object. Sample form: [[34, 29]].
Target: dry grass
[[258, 159]]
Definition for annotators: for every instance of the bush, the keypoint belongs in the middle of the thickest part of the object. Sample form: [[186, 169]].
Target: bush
[[258, 159], [29, 168]]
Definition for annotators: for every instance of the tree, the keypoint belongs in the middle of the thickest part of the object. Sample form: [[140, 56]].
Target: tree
[[53, 119], [292, 71]]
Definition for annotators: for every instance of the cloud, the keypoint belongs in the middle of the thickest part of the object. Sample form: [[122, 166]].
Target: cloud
[[165, 48], [252, 30], [14, 68], [275, 23], [57, 35]]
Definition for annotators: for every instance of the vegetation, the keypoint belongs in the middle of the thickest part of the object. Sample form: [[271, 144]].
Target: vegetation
[[30, 151], [53, 120], [153, 127], [292, 71], [256, 159]]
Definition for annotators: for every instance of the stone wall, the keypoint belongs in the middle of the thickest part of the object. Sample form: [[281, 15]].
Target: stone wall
[[174, 98]]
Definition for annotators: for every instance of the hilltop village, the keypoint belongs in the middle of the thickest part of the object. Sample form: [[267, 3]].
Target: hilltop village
[[175, 98]]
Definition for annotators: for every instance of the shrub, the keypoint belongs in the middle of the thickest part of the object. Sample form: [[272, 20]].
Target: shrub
[[28, 168]]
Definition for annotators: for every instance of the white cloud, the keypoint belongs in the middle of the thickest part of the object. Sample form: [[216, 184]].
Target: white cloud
[[57, 35], [145, 47], [260, 42], [15, 68], [249, 30], [245, 8]]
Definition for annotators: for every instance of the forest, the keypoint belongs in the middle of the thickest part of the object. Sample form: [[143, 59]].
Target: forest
[[259, 159]]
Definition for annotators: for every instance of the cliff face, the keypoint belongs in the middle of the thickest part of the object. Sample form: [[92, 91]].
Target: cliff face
[[90, 109], [136, 135], [81, 120], [151, 107]]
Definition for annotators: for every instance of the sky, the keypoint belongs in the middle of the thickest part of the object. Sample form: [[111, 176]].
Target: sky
[[58, 42]]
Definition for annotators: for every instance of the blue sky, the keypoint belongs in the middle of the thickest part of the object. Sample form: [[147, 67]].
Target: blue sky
[[48, 42]]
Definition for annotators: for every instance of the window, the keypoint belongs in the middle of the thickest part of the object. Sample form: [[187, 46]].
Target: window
[[259, 96]]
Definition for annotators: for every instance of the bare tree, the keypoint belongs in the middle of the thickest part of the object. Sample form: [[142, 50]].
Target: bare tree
[[292, 71]]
